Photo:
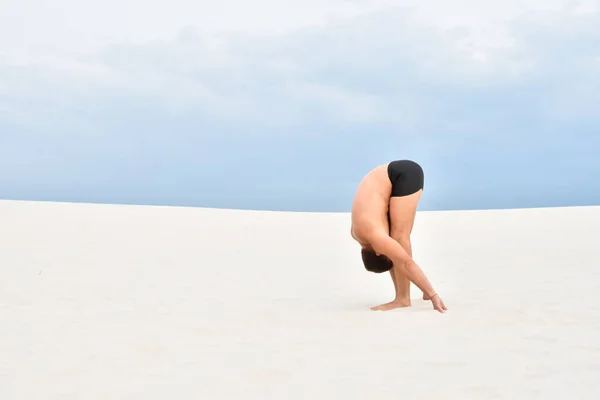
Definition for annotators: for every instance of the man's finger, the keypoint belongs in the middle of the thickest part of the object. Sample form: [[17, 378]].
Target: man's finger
[[440, 306]]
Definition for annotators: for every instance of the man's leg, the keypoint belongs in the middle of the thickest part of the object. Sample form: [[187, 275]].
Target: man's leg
[[392, 272], [402, 218], [403, 211]]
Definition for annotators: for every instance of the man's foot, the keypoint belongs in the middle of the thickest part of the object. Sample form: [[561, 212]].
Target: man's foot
[[392, 305]]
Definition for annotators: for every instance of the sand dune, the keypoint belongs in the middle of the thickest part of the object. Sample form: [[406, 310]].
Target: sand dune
[[132, 302]]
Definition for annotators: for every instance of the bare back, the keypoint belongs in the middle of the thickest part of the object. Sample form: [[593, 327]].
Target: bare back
[[371, 205]]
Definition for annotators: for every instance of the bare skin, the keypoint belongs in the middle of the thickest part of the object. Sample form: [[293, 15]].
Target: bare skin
[[370, 228]]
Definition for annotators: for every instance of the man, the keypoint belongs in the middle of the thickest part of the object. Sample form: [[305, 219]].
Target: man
[[383, 214]]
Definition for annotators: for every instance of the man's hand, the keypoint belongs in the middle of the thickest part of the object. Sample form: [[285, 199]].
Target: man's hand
[[438, 304]]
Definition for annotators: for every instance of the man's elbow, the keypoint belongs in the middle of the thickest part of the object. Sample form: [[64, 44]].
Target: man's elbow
[[391, 250]]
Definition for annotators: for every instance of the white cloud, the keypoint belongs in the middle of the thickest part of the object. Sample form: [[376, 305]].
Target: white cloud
[[274, 60], [31, 28]]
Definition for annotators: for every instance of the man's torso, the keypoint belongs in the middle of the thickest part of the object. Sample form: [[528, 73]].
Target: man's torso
[[371, 204]]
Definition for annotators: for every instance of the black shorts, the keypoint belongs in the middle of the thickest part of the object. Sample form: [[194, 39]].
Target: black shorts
[[406, 176]]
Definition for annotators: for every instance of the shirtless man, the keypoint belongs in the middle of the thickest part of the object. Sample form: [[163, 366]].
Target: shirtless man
[[383, 214]]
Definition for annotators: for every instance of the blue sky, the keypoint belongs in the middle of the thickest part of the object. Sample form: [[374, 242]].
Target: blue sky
[[285, 105]]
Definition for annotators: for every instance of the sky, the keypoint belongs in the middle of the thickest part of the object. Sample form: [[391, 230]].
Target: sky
[[285, 105]]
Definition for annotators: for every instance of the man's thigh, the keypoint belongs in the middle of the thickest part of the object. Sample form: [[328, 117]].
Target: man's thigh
[[402, 214]]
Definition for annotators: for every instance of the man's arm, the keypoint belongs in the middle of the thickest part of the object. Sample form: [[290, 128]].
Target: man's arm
[[384, 244]]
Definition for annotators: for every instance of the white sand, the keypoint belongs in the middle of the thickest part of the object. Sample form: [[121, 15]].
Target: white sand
[[127, 302]]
